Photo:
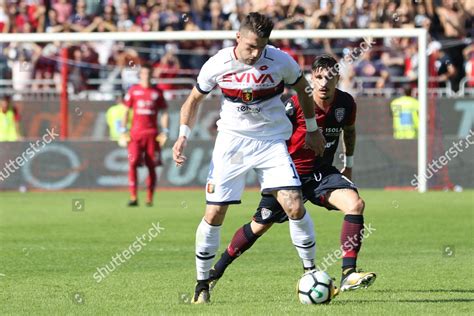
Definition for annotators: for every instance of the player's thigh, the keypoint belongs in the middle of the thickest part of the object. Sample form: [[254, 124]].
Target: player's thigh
[[228, 169], [151, 147], [133, 152], [275, 168], [347, 200]]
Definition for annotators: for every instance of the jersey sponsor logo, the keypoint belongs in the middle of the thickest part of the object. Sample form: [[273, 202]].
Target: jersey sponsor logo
[[266, 213], [328, 145], [247, 95], [138, 92], [248, 109], [247, 77], [340, 112], [210, 188], [333, 130]]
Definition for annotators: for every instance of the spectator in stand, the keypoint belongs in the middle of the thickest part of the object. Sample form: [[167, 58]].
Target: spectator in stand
[[168, 67], [23, 58], [52, 23], [469, 57], [4, 19], [63, 9], [79, 20], [124, 22], [371, 68], [76, 76]]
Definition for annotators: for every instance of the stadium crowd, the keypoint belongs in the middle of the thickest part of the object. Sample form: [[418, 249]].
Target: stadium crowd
[[450, 25]]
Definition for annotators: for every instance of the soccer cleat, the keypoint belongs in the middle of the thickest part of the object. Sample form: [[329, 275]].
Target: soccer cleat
[[201, 293], [357, 280], [149, 204], [132, 203], [213, 278]]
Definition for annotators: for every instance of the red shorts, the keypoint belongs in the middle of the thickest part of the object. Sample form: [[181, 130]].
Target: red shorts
[[143, 148]]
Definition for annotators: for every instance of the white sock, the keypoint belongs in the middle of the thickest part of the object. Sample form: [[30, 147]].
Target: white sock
[[303, 237], [207, 244]]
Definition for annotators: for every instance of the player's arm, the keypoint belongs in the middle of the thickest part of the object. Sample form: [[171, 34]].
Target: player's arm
[[187, 118], [314, 138], [164, 127], [349, 140]]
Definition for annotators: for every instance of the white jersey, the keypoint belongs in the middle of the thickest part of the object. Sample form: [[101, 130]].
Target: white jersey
[[252, 107]]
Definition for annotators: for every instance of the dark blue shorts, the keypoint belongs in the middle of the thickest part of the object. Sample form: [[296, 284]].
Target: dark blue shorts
[[315, 188]]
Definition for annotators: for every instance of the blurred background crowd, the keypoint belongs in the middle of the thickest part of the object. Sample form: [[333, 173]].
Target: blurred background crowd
[[387, 64]]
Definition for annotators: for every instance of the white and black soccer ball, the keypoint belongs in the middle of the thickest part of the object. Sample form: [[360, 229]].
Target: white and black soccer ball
[[315, 287]]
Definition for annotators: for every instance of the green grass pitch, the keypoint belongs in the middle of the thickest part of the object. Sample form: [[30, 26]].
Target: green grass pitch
[[421, 249]]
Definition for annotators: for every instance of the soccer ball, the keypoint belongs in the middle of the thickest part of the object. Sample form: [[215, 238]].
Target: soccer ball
[[315, 287]]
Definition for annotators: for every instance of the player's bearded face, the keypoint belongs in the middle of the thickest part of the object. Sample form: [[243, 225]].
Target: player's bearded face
[[249, 47], [324, 83]]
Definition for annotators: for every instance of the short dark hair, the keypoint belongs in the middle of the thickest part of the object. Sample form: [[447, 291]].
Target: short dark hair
[[257, 23], [324, 61]]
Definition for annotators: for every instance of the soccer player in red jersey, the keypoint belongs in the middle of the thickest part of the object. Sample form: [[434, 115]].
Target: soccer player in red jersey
[[145, 101], [322, 183]]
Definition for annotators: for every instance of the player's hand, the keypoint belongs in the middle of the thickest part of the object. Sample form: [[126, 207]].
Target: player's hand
[[161, 139], [178, 150], [123, 140], [346, 171], [316, 142]]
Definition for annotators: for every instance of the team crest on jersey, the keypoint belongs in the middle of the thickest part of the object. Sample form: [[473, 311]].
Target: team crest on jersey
[[266, 213], [210, 188], [340, 112], [247, 95]]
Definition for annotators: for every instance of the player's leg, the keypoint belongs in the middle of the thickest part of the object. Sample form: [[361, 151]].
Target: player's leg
[[207, 244], [133, 161], [150, 162], [278, 176], [351, 204], [335, 192], [301, 226], [225, 184], [268, 212]]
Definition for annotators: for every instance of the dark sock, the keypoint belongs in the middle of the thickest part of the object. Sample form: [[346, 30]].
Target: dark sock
[[351, 241], [243, 239]]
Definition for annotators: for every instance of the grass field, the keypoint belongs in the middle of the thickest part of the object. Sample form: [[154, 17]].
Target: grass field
[[422, 250]]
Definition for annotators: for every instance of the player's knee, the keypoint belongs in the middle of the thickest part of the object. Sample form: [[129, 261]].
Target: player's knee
[[357, 208], [295, 210]]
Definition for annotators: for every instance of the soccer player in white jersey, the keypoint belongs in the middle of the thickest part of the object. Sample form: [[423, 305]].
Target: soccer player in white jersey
[[252, 131]]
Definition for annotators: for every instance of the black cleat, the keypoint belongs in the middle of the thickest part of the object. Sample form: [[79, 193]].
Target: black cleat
[[201, 293], [132, 203]]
